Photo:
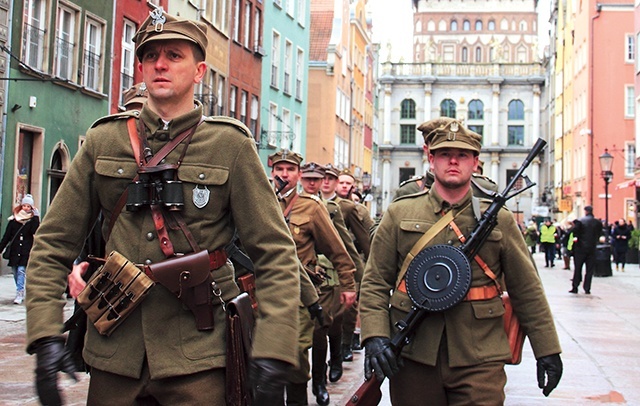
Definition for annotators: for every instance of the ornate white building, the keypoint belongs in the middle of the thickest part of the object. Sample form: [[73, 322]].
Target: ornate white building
[[477, 62]]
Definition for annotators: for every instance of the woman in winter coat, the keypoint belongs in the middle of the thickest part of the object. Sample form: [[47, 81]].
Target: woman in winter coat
[[531, 236], [18, 239], [620, 235]]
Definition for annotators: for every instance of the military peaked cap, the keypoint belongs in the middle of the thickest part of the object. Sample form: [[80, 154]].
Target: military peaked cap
[[285, 156], [312, 170]]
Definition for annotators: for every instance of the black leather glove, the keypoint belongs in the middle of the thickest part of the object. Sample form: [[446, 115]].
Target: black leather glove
[[268, 378], [551, 365], [52, 357], [315, 310], [379, 358]]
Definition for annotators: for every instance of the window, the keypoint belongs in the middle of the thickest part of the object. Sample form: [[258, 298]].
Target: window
[[236, 21], [221, 95], [290, 4], [491, 26], [515, 124], [255, 108], [629, 159], [630, 47], [476, 110], [465, 54], [466, 25], [454, 25], [629, 101], [233, 93], [448, 108], [128, 57], [638, 56], [447, 53], [244, 96], [246, 40], [301, 12], [479, 25], [299, 73], [273, 124], [92, 70], [297, 131], [65, 37], [408, 109], [257, 40], [407, 134], [288, 62], [478, 129], [275, 59], [33, 36], [478, 54], [286, 126], [521, 55]]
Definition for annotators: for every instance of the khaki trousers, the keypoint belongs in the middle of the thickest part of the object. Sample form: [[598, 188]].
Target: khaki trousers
[[200, 388], [420, 384]]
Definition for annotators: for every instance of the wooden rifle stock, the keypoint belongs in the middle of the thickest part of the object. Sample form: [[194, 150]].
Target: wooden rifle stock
[[368, 394]]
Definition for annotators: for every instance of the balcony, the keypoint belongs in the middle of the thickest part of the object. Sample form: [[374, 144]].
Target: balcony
[[462, 69]]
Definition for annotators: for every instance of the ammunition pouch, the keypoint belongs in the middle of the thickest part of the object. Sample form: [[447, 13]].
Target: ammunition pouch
[[116, 289], [189, 278], [332, 277]]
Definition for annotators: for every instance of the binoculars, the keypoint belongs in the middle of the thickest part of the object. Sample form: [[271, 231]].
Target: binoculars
[[157, 185]]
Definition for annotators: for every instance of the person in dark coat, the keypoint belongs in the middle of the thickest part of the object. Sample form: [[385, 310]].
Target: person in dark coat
[[586, 232], [620, 239], [18, 239]]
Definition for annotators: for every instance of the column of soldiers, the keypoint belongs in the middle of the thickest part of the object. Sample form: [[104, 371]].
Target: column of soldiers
[[325, 260]]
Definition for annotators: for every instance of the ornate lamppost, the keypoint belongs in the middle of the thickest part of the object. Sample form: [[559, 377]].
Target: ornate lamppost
[[606, 162]]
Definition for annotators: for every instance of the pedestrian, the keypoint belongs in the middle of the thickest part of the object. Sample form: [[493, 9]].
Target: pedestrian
[[18, 240], [620, 236], [548, 236], [566, 245], [313, 234], [209, 185], [531, 235], [586, 233], [559, 234], [457, 355]]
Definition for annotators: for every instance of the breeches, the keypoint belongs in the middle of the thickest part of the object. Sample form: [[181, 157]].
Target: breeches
[[417, 384], [200, 388]]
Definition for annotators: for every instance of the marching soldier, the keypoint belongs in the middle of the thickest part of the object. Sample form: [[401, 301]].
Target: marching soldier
[[313, 233], [159, 353], [460, 351]]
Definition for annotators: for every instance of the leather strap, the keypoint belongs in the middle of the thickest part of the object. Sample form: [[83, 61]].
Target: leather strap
[[287, 211], [482, 293], [217, 258]]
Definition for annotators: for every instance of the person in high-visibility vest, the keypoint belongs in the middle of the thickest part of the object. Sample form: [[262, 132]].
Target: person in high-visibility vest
[[548, 234]]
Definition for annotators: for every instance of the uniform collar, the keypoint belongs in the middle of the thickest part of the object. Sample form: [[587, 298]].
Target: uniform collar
[[442, 206], [156, 126]]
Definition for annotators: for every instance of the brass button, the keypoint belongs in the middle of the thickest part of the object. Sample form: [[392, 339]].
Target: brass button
[[149, 236]]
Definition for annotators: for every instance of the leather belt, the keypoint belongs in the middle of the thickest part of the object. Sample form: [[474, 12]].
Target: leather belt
[[217, 258], [482, 293]]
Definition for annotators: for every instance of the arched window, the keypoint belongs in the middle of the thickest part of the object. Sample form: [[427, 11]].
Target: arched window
[[454, 25], [408, 109], [465, 54], [466, 25], [478, 54], [504, 25], [523, 25], [476, 110], [491, 26], [448, 108], [418, 26], [478, 25], [515, 123], [522, 55], [60, 160], [431, 26]]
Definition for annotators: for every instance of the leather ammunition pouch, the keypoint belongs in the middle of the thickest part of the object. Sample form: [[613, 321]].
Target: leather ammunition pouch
[[189, 278], [117, 288], [316, 273]]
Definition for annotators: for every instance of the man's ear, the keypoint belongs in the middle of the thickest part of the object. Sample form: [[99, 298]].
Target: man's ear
[[201, 69]]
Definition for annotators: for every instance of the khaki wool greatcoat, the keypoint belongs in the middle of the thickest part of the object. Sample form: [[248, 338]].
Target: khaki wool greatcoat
[[474, 329], [221, 158]]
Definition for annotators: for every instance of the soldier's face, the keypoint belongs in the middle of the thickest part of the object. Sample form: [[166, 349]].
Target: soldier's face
[[345, 183], [329, 184], [287, 171], [170, 70], [452, 167], [311, 185]]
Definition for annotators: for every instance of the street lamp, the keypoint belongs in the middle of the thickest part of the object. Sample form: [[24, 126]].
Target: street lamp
[[606, 162]]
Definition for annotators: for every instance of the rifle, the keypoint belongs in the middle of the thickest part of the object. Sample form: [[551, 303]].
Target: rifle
[[369, 394], [280, 185]]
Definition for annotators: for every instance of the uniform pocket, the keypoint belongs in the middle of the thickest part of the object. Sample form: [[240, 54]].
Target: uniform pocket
[[114, 175]]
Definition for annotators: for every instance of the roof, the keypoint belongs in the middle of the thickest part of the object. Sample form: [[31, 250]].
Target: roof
[[321, 28]]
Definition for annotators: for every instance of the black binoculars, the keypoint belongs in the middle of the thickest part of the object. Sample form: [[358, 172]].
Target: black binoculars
[[157, 185]]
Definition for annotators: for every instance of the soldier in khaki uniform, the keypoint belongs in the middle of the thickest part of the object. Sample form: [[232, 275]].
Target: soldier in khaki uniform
[[158, 353], [457, 356], [311, 180], [313, 233]]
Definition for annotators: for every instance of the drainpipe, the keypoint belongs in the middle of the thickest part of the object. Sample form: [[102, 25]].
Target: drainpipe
[[591, 77], [4, 107]]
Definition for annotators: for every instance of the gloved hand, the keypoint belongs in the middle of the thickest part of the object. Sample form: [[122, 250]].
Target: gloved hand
[[379, 358], [51, 357], [315, 310], [268, 378], [552, 366]]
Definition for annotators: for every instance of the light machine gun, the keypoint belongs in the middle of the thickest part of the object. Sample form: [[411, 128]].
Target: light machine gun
[[439, 277]]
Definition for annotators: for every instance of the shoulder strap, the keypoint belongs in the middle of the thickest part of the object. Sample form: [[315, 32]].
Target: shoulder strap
[[287, 211]]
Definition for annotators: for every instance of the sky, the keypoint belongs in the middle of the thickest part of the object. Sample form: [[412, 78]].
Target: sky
[[393, 23]]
